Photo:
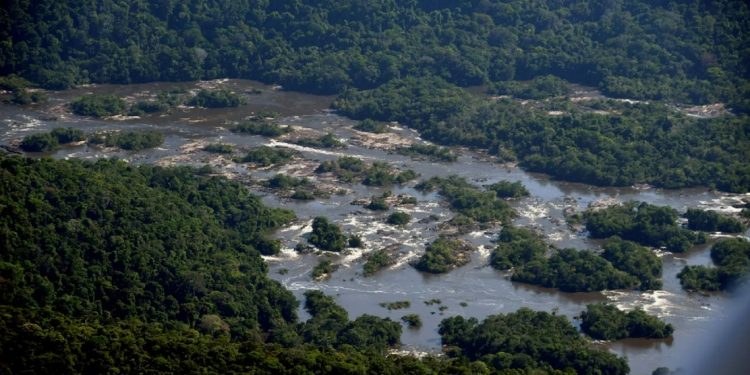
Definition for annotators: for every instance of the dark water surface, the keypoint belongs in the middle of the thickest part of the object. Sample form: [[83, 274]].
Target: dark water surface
[[480, 288]]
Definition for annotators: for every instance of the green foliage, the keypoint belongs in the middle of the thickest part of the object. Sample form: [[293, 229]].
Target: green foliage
[[266, 156], [355, 241], [642, 223], [215, 99], [732, 260], [329, 326], [397, 305], [351, 169], [443, 255], [376, 262], [428, 151], [108, 240], [13, 83], [606, 322], [261, 126], [326, 235], [41, 142], [25, 97], [371, 126], [526, 340], [282, 181], [412, 321], [634, 143], [482, 206], [44, 142], [327, 141], [324, 268], [219, 148], [303, 195], [377, 204], [572, 270], [711, 221], [636, 260], [538, 88], [516, 247], [398, 218], [507, 189], [98, 105], [129, 140]]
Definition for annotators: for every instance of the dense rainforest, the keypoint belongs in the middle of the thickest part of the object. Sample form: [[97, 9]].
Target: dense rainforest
[[689, 52], [111, 267]]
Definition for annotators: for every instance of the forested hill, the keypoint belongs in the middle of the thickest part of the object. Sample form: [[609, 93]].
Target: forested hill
[[689, 51]]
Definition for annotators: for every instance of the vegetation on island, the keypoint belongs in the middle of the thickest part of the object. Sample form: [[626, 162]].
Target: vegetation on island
[[631, 143], [643, 223], [429, 152], [44, 142], [265, 156], [326, 235], [377, 261], [326, 141], [218, 148], [371, 126], [636, 260], [215, 99], [731, 258], [128, 140], [352, 169], [467, 199], [604, 321], [397, 305], [398, 218], [517, 247], [324, 269], [412, 321], [261, 126], [526, 340], [507, 189], [98, 105], [710, 221], [443, 255]]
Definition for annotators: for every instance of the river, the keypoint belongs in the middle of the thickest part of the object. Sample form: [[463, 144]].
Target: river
[[473, 290]]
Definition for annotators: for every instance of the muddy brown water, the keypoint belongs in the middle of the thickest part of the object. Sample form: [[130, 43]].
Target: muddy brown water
[[474, 290]]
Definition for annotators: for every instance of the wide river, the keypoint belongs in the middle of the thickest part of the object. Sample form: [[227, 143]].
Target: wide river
[[474, 290]]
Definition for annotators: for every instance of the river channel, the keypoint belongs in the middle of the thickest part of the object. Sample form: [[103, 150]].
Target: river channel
[[474, 290]]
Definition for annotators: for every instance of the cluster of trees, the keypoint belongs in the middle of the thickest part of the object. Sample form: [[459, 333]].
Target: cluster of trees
[[20, 92], [43, 142], [711, 221], [352, 169], [376, 262], [218, 148], [527, 340], [622, 264], [128, 140], [732, 260], [468, 200], [642, 49], [643, 223], [371, 126], [107, 240], [540, 87], [324, 269], [98, 105], [398, 218], [326, 235], [104, 105], [634, 143], [150, 269], [326, 141], [215, 99], [603, 321], [443, 255], [507, 189], [261, 126], [428, 151], [264, 156]]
